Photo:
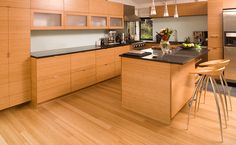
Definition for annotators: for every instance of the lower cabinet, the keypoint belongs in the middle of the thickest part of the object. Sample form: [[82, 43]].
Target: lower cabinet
[[59, 75], [83, 70], [50, 77], [105, 71]]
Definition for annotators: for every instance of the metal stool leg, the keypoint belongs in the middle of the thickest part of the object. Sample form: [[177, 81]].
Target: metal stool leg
[[218, 107], [228, 91], [222, 102], [225, 97], [200, 91], [207, 82], [193, 98]]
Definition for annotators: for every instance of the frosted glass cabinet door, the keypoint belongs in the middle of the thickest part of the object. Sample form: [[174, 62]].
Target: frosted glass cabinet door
[[76, 21], [47, 20], [98, 21], [116, 22]]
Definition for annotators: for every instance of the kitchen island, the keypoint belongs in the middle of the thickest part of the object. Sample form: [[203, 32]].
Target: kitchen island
[[158, 86]]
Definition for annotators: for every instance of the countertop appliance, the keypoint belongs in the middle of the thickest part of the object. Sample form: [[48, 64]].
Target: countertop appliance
[[229, 32]]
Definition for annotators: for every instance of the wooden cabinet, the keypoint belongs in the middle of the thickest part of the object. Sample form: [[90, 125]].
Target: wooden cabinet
[[4, 97], [229, 4], [98, 7], [105, 64], [81, 6], [76, 21], [56, 5], [19, 3], [83, 70], [50, 77], [118, 52], [184, 9], [116, 23], [115, 9], [15, 3], [19, 58], [215, 37], [46, 20], [98, 22]]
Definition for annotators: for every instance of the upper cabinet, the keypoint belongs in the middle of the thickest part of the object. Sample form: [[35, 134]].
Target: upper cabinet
[[81, 6], [47, 4], [99, 7], [229, 4], [15, 3], [47, 20], [185, 9], [19, 3], [115, 9]]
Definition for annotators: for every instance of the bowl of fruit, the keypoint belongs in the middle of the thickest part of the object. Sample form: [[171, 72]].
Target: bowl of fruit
[[187, 45]]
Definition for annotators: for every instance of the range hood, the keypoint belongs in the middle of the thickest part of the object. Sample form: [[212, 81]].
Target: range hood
[[129, 14]]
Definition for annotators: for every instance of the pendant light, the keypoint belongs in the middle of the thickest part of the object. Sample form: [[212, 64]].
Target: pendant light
[[166, 13], [176, 14], [153, 8]]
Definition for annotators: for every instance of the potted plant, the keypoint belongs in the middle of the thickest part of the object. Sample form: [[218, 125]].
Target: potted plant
[[165, 36]]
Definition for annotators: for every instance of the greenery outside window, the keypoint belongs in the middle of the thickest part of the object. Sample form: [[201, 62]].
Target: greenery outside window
[[146, 29]]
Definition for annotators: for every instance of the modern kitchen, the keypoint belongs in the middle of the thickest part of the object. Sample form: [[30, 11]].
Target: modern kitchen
[[117, 72]]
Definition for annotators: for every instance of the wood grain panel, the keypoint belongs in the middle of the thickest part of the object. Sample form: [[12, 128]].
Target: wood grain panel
[[105, 56], [3, 3], [19, 49], [215, 41], [98, 7], [118, 52], [146, 88], [82, 60], [51, 78], [4, 97], [47, 4], [83, 78], [4, 35], [19, 3], [182, 85], [115, 9], [76, 6], [53, 87], [229, 4], [83, 70], [105, 71], [184, 9], [52, 66]]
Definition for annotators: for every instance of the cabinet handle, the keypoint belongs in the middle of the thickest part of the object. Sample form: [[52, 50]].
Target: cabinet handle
[[106, 64], [84, 70], [214, 36]]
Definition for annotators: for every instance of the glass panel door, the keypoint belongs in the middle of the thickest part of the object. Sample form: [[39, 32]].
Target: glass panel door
[[76, 20], [99, 21], [116, 22], [47, 20]]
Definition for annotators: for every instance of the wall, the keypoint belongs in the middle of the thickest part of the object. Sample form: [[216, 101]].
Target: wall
[[48, 40], [184, 26]]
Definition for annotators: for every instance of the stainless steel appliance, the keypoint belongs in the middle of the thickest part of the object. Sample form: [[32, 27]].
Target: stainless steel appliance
[[229, 31]]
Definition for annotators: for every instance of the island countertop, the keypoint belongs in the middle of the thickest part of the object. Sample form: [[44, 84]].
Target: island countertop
[[178, 55]]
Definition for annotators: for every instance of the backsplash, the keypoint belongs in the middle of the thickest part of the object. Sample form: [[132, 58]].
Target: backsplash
[[49, 40], [184, 26]]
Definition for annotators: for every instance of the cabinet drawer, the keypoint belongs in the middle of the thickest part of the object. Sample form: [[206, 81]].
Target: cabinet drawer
[[49, 67], [119, 51], [117, 68], [105, 56], [82, 60], [105, 71], [215, 53], [53, 87], [83, 78], [47, 4]]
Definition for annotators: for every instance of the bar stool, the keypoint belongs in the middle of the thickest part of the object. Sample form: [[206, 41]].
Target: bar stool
[[211, 73], [219, 63]]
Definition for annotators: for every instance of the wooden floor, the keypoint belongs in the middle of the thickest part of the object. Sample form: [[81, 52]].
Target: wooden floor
[[94, 116]]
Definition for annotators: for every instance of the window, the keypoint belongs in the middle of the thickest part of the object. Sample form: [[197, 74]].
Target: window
[[146, 29]]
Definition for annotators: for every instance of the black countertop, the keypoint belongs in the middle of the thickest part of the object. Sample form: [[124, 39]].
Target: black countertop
[[63, 51], [178, 55]]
